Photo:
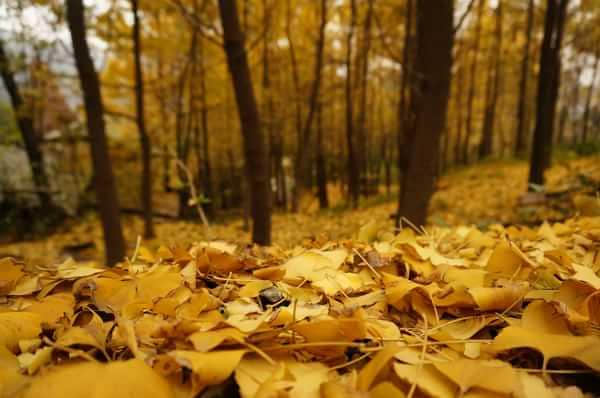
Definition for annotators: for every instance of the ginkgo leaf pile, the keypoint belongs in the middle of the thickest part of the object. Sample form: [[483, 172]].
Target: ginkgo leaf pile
[[442, 313]]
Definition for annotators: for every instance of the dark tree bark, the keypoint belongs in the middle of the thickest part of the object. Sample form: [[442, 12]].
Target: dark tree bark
[[206, 166], [473, 83], [562, 123], [521, 133], [352, 166], [548, 85], [363, 76], [313, 102], [403, 111], [295, 74], [574, 105], [144, 138], [268, 106], [429, 102], [28, 133], [255, 151], [588, 100], [106, 192], [492, 89], [321, 164], [460, 80]]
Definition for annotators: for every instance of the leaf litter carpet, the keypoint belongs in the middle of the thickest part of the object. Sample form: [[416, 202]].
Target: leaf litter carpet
[[445, 312]]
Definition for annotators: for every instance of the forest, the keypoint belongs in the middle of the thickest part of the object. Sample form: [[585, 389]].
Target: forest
[[300, 198]]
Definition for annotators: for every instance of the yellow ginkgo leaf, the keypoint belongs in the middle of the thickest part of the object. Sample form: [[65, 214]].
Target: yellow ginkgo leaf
[[158, 284], [10, 274], [93, 380], [208, 368], [544, 317], [427, 379], [206, 341], [585, 349], [69, 269], [370, 371], [386, 390], [26, 285], [54, 307], [531, 386], [33, 361], [498, 298], [78, 336], [461, 329], [253, 289], [496, 376], [15, 326], [299, 380], [12, 381], [507, 262]]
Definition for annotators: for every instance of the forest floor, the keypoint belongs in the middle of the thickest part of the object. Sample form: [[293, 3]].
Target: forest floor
[[481, 195], [472, 307]]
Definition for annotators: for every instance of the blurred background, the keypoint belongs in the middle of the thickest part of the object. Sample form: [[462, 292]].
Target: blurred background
[[278, 121]]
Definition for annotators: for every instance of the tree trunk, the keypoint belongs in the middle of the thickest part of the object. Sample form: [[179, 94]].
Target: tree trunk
[[460, 80], [363, 76], [548, 85], [429, 102], [28, 133], [574, 105], [296, 95], [353, 167], [492, 90], [562, 123], [145, 144], [321, 165], [207, 178], [521, 133], [304, 139], [403, 111], [588, 100], [473, 83], [106, 192], [255, 151]]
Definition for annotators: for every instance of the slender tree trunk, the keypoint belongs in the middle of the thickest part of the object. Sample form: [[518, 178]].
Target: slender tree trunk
[[588, 100], [185, 125], [363, 76], [548, 85], [161, 97], [28, 133], [562, 123], [267, 102], [353, 167], [255, 151], [405, 117], [521, 133], [574, 105], [493, 89], [403, 111], [207, 177], [295, 74], [321, 164], [473, 82], [144, 138], [429, 101], [460, 80], [106, 192], [313, 103]]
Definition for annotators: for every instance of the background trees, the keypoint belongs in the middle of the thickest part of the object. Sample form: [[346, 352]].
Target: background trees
[[429, 101], [106, 194], [338, 86], [257, 166], [548, 87]]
